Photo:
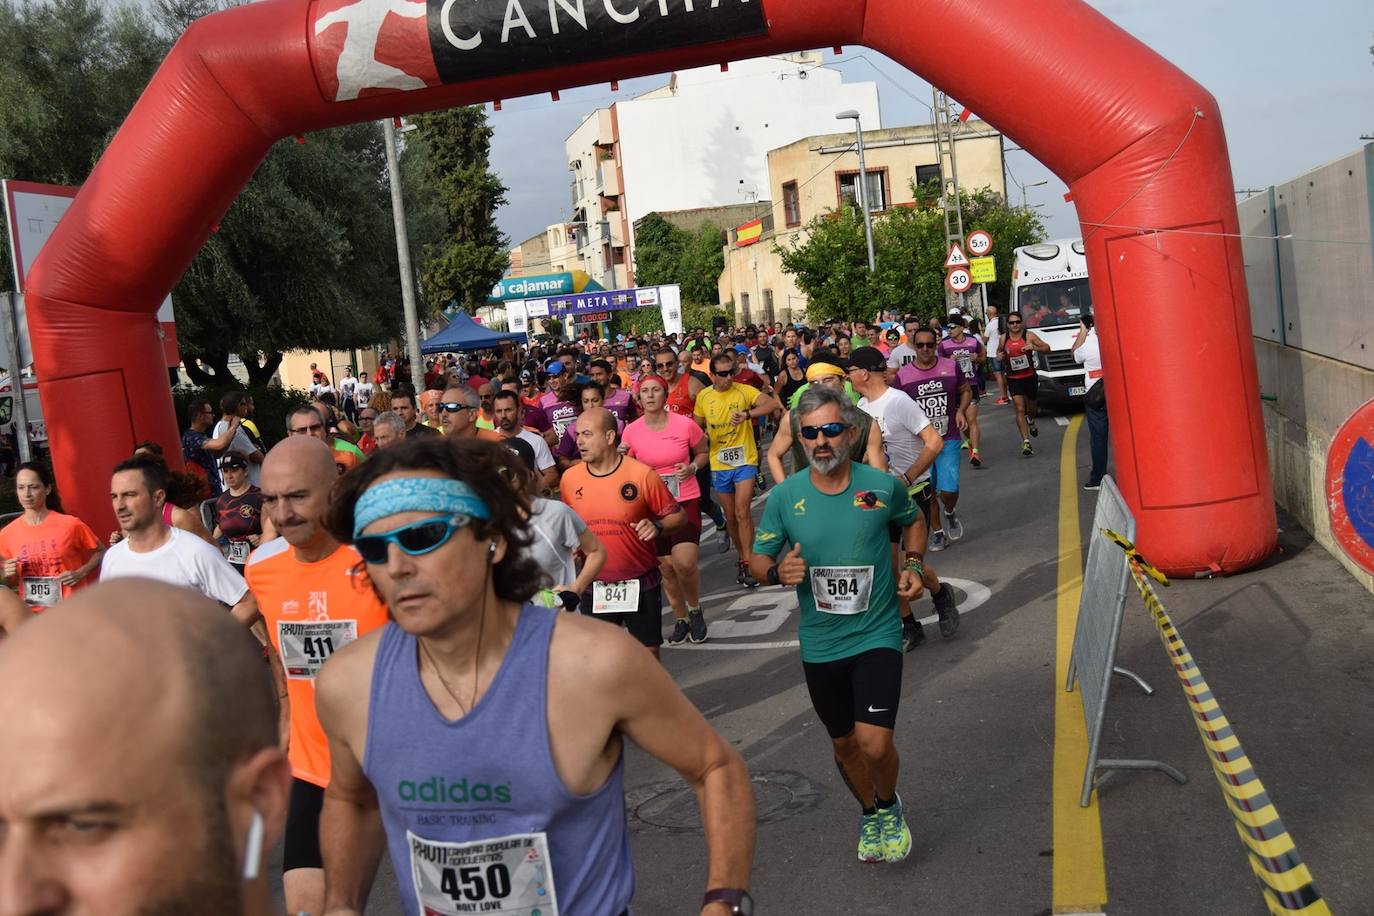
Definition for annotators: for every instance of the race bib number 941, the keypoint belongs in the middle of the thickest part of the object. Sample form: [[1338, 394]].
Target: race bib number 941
[[506, 876]]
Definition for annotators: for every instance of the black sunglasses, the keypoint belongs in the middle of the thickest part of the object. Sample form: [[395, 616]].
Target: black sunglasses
[[453, 406], [924, 346], [831, 430], [720, 374]]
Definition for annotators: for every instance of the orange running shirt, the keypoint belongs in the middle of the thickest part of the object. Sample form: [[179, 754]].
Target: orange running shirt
[[611, 505], [311, 610], [59, 544]]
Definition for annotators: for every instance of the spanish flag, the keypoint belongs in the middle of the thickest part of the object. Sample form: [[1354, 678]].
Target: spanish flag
[[748, 233]]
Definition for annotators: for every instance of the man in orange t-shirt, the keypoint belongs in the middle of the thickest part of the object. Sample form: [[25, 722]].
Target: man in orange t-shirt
[[627, 506], [315, 598]]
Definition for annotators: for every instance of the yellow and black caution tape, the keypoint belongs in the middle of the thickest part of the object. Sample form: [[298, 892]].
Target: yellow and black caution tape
[[1286, 883]]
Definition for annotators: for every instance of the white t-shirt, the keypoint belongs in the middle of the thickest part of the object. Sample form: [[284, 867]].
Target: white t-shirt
[[240, 443], [184, 560], [543, 458], [1089, 356], [346, 386], [362, 393], [901, 419], [557, 531], [900, 356], [322, 388], [994, 331]]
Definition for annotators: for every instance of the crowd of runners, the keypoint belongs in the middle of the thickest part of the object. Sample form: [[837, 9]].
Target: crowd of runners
[[429, 577]]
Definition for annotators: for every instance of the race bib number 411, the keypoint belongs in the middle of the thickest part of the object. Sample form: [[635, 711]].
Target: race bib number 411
[[506, 876], [305, 647]]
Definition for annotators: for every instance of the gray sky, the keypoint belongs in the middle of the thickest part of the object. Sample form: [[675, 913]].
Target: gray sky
[[1295, 85]]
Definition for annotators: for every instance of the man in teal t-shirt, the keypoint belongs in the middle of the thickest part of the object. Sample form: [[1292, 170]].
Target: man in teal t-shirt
[[835, 520]]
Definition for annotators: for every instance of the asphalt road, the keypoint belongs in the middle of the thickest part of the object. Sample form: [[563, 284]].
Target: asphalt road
[[976, 730]]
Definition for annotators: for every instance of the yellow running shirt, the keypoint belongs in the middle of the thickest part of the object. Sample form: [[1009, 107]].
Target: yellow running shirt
[[731, 446]]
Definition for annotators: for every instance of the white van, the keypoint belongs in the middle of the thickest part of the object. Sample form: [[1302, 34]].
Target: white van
[[1049, 287]]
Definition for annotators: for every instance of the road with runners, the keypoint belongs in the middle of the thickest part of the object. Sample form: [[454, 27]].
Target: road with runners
[[977, 732]]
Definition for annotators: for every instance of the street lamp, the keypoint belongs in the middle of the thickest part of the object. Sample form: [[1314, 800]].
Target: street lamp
[[398, 216], [863, 182], [1033, 184]]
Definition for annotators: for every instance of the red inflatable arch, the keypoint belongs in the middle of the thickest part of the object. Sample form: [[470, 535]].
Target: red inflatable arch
[[1137, 142]]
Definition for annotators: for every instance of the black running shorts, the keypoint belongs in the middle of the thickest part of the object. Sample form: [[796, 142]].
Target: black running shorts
[[1028, 387], [302, 846], [646, 624], [862, 688]]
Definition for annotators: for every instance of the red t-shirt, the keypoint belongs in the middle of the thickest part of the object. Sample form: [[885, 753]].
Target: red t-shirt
[[59, 544], [611, 505]]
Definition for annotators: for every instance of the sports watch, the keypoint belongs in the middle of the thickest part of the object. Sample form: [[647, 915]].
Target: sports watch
[[738, 900], [773, 575]]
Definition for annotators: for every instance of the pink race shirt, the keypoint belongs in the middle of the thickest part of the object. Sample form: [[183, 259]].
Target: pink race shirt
[[665, 450]]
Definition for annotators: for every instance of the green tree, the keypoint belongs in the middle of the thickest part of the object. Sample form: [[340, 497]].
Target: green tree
[[667, 254], [831, 261], [469, 255]]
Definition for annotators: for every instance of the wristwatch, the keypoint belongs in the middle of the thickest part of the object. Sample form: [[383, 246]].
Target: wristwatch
[[773, 575], [738, 900]]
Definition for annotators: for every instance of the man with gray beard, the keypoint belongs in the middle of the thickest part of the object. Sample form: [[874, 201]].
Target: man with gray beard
[[829, 525]]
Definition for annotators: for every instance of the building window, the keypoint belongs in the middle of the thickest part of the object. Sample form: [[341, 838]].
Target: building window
[[876, 186], [791, 204], [768, 306], [744, 308], [927, 173]]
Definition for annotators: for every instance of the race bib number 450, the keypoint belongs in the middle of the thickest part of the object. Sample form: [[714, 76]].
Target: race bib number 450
[[506, 876], [841, 589], [306, 646]]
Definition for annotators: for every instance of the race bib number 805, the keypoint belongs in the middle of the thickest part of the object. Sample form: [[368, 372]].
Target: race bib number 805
[[506, 876]]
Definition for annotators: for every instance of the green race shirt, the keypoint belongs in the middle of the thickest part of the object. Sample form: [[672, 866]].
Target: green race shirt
[[847, 529]]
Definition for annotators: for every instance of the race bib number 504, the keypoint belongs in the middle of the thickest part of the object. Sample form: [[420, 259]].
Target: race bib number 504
[[841, 589], [506, 876]]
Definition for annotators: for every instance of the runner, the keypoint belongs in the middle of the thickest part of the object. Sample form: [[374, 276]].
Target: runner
[[46, 554], [310, 420], [234, 407], [238, 513], [314, 600], [675, 448], [592, 396], [627, 506], [363, 391], [1014, 350], [152, 549], [459, 407], [127, 793], [912, 445], [991, 339], [403, 405], [832, 522], [348, 387], [968, 354], [937, 385], [419, 715], [367, 415], [684, 384], [725, 411], [198, 449], [389, 429], [509, 413], [615, 398], [867, 448]]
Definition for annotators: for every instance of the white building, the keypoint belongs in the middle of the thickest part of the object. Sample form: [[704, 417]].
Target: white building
[[702, 140]]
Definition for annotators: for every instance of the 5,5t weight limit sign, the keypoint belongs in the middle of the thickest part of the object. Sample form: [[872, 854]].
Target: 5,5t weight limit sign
[[979, 243], [958, 280]]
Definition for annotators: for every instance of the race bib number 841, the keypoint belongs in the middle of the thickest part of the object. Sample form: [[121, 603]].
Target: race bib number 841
[[506, 876]]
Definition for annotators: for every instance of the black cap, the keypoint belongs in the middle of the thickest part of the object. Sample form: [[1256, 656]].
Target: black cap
[[522, 449], [233, 461], [870, 358]]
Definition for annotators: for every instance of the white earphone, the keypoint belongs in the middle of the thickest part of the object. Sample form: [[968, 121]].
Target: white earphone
[[252, 848]]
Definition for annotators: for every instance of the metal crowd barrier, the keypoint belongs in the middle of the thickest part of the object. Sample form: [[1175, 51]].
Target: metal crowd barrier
[[1285, 881], [1095, 636]]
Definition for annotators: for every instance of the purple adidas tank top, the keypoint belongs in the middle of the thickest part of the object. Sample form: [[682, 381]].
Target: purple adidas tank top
[[477, 819]]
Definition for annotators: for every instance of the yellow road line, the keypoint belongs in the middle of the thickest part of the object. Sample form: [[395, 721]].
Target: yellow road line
[[1079, 882]]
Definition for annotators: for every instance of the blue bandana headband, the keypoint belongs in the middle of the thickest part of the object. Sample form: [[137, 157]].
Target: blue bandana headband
[[442, 496]]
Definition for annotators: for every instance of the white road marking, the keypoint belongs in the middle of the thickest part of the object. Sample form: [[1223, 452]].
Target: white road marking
[[1062, 421], [766, 610]]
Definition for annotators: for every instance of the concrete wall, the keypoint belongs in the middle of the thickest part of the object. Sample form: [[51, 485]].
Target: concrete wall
[[1312, 309]]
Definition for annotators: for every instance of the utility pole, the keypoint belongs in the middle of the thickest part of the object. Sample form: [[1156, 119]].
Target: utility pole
[[949, 185], [862, 182], [398, 216]]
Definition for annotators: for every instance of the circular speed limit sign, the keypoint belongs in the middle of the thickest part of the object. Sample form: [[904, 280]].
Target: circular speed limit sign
[[979, 243], [959, 280]]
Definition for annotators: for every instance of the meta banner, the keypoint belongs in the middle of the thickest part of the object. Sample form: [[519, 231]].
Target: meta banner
[[366, 47]]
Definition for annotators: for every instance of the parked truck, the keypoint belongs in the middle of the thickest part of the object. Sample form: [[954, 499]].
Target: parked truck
[[1049, 287]]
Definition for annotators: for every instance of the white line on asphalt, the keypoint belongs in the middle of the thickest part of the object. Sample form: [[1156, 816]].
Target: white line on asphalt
[[1062, 421]]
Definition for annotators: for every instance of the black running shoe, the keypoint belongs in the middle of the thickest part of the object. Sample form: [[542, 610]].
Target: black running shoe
[[696, 626], [680, 633], [1034, 431], [912, 634], [947, 611], [744, 578]]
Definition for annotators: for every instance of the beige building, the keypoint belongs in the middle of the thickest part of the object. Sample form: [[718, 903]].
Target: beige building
[[814, 175], [553, 251]]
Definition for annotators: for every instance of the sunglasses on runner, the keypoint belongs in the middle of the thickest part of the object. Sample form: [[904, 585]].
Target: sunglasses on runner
[[1012, 324], [671, 365], [416, 539], [831, 430], [719, 374], [453, 406], [924, 346]]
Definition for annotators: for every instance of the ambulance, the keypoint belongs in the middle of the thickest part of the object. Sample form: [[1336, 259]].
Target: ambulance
[[1049, 287]]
